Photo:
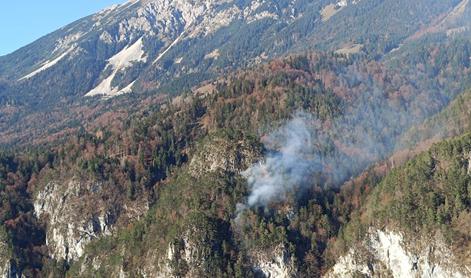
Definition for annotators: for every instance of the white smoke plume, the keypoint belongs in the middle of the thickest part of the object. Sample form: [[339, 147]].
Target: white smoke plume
[[302, 153], [286, 168], [305, 152]]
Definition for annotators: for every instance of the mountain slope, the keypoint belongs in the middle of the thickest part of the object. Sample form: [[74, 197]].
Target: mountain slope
[[183, 38], [98, 201], [415, 221], [452, 121], [285, 167], [161, 47]]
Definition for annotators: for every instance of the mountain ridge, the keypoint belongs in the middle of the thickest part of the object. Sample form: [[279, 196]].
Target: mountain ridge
[[287, 138]]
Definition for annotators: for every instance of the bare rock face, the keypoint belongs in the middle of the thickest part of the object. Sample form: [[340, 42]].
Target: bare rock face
[[189, 255], [276, 264], [9, 271], [160, 26], [4, 258], [192, 254], [7, 268], [469, 164], [221, 154], [77, 212], [185, 253], [185, 18], [387, 254]]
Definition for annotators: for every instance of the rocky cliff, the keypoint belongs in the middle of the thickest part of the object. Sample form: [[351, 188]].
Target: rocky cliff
[[386, 253], [71, 223]]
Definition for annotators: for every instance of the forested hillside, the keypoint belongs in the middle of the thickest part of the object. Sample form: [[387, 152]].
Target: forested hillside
[[421, 209], [52, 87], [301, 138], [177, 169]]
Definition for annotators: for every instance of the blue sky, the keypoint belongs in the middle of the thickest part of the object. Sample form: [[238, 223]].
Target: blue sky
[[23, 21]]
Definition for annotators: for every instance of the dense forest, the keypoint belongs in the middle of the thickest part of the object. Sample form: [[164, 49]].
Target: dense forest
[[240, 139], [160, 156]]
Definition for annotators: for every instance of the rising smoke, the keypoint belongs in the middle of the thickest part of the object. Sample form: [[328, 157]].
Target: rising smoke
[[285, 168], [306, 151]]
